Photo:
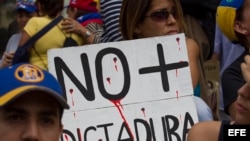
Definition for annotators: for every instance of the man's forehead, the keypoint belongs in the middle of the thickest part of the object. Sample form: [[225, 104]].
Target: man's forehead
[[34, 100], [29, 110]]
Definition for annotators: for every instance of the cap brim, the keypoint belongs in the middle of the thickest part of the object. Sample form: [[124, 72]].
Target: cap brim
[[16, 93], [27, 9]]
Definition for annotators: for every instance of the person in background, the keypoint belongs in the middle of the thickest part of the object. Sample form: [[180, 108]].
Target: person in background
[[199, 17], [31, 104], [54, 38], [13, 28], [25, 9], [236, 29], [225, 52], [214, 130], [110, 12], [86, 13], [160, 18]]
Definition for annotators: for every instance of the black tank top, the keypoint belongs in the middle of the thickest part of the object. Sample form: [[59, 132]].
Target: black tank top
[[221, 136]]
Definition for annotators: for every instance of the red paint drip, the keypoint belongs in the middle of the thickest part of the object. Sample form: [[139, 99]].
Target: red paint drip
[[143, 111], [116, 68], [178, 41], [109, 80], [72, 99], [115, 60], [119, 107], [66, 137], [79, 133], [177, 95]]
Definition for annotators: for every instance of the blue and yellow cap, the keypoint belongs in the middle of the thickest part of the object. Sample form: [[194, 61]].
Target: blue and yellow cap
[[20, 79], [26, 5], [226, 13]]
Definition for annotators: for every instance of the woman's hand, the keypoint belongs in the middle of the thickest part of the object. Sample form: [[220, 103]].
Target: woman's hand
[[245, 68], [7, 59], [70, 25]]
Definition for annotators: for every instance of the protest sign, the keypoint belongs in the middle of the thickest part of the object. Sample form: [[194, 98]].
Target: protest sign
[[134, 90]]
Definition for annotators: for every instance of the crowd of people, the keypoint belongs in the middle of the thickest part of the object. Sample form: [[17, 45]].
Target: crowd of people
[[94, 22]]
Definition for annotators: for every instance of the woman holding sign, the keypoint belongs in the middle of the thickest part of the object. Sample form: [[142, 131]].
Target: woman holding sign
[[160, 18]]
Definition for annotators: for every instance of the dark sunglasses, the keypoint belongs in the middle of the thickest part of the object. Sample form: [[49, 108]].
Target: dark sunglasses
[[162, 15]]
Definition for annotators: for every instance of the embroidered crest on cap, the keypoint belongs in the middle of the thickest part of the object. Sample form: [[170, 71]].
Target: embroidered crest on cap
[[29, 73], [27, 2]]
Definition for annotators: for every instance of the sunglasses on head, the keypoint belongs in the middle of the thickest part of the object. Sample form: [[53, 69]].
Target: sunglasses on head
[[162, 15]]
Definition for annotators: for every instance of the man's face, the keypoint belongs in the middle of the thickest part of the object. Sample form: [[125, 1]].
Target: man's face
[[31, 117], [243, 105], [23, 17]]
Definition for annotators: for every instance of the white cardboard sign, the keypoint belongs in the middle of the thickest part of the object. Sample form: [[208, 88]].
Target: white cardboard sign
[[138, 90]]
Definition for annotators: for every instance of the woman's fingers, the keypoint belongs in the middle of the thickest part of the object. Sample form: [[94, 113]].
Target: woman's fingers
[[71, 26], [245, 68]]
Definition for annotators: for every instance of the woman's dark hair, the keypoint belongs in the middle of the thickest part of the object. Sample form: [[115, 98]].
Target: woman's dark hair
[[51, 7], [131, 15]]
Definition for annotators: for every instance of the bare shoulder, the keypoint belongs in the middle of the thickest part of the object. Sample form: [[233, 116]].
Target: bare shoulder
[[192, 45], [204, 131], [191, 42]]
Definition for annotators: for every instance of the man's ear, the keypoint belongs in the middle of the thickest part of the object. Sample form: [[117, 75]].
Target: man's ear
[[240, 27]]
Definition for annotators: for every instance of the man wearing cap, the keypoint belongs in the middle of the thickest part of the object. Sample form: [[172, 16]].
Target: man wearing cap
[[25, 9], [31, 104]]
